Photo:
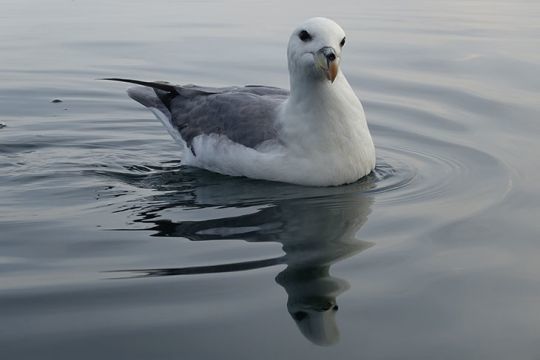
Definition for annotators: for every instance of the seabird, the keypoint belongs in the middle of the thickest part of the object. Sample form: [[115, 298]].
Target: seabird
[[316, 134]]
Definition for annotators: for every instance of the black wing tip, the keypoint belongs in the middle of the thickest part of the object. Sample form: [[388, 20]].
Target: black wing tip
[[119, 79], [153, 84], [123, 80]]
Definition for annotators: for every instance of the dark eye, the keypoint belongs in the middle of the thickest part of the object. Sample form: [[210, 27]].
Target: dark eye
[[342, 42], [304, 36], [300, 315]]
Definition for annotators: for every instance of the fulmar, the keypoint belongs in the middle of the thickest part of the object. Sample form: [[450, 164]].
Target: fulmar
[[316, 134]]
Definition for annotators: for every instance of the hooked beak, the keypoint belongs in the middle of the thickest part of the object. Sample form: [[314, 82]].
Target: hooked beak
[[327, 61]]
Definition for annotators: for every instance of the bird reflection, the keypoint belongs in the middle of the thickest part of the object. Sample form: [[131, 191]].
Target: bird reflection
[[316, 227]]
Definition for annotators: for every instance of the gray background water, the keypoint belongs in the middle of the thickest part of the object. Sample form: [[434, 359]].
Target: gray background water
[[109, 249]]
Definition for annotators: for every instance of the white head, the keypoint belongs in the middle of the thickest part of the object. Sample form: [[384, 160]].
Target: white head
[[314, 50]]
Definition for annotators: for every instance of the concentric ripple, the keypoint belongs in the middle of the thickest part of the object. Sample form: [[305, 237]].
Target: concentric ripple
[[407, 174], [444, 172]]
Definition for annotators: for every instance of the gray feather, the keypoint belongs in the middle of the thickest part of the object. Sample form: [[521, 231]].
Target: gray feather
[[245, 114]]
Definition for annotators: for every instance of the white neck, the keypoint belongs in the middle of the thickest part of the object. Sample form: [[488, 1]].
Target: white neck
[[325, 122], [313, 94], [319, 106]]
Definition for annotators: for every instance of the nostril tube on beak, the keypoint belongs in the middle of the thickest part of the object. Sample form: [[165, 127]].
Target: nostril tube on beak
[[327, 61]]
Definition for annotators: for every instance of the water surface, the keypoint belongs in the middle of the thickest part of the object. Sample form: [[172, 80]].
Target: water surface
[[109, 248]]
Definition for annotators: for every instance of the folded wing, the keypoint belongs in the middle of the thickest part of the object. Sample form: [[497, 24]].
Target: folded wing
[[244, 114]]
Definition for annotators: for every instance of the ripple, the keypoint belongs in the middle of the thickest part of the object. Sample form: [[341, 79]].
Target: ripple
[[421, 170], [417, 170]]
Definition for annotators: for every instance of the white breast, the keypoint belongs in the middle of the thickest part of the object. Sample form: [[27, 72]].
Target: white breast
[[323, 140]]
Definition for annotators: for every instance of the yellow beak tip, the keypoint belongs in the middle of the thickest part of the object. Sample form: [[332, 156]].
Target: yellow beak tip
[[332, 72]]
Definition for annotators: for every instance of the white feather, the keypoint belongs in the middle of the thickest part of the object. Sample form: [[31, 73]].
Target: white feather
[[323, 137]]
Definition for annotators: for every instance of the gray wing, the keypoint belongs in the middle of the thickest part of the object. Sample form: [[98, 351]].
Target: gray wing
[[245, 114]]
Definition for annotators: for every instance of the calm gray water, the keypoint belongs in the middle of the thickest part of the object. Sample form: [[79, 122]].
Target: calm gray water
[[110, 249]]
